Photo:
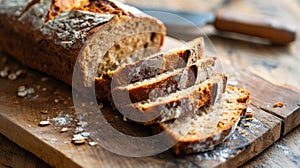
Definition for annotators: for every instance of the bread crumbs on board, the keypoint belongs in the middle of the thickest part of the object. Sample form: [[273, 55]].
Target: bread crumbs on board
[[247, 125], [278, 104], [64, 129], [44, 123], [243, 132], [93, 143]]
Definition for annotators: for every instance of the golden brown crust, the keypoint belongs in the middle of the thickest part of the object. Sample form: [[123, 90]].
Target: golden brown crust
[[102, 7]]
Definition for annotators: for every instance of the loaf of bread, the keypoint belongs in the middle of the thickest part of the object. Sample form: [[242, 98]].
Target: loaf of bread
[[212, 126], [116, 47], [96, 35]]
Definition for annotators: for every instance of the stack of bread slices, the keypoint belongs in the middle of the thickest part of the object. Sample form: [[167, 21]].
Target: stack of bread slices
[[179, 92]]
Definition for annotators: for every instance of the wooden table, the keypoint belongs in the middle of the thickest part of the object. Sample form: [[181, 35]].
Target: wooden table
[[277, 64]]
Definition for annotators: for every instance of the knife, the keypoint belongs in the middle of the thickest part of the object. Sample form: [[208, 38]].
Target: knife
[[188, 23]]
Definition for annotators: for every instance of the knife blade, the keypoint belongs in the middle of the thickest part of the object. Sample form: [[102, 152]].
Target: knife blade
[[229, 21], [176, 21]]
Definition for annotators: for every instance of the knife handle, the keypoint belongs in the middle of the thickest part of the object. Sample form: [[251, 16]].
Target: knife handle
[[272, 30]]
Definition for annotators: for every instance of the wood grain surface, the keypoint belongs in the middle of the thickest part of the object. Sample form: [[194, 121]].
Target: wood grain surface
[[276, 64], [12, 155], [272, 94]]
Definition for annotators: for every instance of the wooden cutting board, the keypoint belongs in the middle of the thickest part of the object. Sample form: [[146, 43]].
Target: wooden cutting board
[[20, 117]]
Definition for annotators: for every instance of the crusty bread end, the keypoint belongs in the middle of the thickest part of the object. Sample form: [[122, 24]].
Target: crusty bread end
[[203, 132]]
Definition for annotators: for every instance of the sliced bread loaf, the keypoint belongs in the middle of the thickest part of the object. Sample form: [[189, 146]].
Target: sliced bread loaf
[[181, 103], [54, 36], [203, 132], [167, 82], [149, 67]]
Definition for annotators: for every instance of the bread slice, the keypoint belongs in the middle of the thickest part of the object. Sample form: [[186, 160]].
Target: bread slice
[[181, 103], [149, 67], [167, 82], [216, 123]]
